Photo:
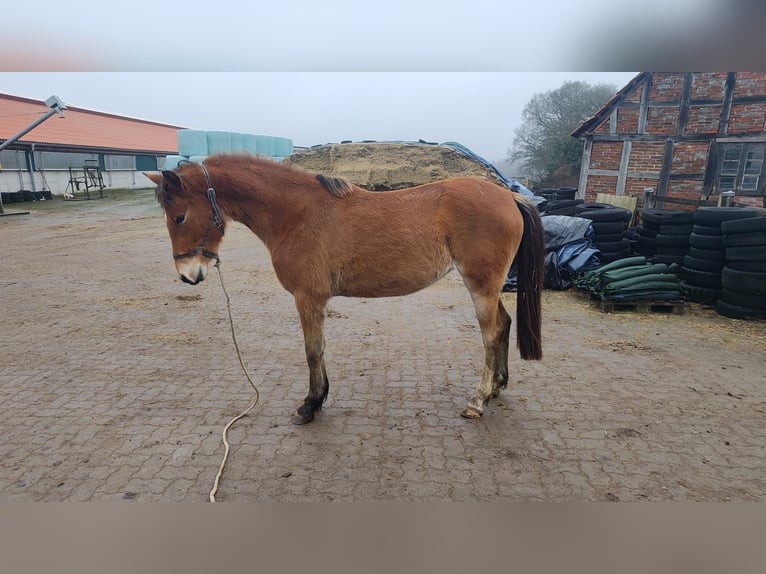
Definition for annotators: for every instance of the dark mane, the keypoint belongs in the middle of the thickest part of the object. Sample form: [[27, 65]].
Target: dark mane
[[160, 195], [335, 185]]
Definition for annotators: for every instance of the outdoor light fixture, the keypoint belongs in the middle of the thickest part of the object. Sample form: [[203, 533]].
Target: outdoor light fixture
[[57, 107]]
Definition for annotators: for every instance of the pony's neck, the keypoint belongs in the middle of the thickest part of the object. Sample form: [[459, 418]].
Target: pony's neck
[[255, 194]]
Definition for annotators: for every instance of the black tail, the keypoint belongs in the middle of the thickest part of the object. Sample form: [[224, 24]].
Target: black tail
[[530, 262]]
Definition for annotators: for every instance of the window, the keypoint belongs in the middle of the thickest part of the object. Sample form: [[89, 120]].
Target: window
[[50, 160], [12, 160], [119, 162], [740, 168], [146, 163]]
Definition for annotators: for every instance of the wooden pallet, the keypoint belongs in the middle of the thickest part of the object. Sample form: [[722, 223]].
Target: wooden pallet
[[673, 307]]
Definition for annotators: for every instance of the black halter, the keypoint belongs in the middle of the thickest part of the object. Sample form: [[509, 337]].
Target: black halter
[[216, 218]]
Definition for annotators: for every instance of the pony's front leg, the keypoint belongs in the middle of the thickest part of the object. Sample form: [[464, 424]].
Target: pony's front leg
[[312, 314]]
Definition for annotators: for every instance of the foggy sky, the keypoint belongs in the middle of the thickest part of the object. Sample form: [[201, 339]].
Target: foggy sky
[[469, 63], [478, 110]]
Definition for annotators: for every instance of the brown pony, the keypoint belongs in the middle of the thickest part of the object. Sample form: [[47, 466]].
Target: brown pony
[[328, 237]]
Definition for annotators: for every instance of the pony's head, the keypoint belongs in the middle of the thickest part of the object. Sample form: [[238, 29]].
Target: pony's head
[[193, 219]]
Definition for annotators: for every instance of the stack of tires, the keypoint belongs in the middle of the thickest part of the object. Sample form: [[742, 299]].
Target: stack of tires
[[609, 224], [701, 272], [672, 239], [744, 276], [673, 227]]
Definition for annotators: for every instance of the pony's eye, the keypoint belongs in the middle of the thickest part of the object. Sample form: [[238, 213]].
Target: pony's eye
[[180, 218]]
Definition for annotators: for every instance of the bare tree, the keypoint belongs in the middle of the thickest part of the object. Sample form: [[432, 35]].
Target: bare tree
[[544, 144]]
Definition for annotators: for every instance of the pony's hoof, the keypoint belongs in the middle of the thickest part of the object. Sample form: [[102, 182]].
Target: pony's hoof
[[299, 419], [496, 388], [470, 412]]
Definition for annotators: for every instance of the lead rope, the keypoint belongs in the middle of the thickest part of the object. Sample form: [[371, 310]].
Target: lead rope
[[247, 375]]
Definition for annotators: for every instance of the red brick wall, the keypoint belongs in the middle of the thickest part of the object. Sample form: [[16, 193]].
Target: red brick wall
[[634, 186], [747, 118], [627, 120], [603, 127], [702, 120], [600, 184], [635, 95], [749, 201], [708, 86], [683, 189], [666, 87], [646, 156], [605, 155], [690, 157], [662, 120], [750, 84]]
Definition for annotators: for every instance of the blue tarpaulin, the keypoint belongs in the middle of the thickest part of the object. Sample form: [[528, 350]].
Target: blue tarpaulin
[[569, 249]]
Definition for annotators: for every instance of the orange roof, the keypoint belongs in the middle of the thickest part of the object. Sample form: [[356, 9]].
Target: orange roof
[[80, 127]]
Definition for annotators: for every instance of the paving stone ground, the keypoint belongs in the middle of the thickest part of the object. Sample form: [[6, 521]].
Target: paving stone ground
[[117, 379]]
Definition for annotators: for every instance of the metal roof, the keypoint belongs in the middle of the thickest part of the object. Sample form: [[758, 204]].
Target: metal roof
[[83, 129]]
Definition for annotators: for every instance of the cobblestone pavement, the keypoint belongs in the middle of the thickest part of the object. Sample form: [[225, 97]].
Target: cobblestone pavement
[[117, 380]]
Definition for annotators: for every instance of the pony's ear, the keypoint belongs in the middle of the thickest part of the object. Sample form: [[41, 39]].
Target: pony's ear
[[171, 178], [154, 176]]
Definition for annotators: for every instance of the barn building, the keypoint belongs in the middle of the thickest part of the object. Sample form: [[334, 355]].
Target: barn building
[[79, 150], [683, 138]]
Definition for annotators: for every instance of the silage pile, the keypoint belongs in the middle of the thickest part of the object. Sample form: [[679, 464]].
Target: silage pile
[[380, 166]]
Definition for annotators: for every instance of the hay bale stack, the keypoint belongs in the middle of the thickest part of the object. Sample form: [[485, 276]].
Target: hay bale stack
[[386, 166]]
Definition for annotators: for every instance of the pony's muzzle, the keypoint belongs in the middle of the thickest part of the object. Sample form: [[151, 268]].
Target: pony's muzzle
[[185, 279], [192, 273]]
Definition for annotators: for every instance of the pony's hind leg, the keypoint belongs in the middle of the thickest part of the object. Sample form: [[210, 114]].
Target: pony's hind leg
[[493, 326], [500, 380], [312, 314]]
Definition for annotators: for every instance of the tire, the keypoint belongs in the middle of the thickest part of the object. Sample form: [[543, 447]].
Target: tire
[[595, 205], [706, 241], [672, 240], [608, 227], [698, 294], [757, 266], [706, 230], [676, 228], [566, 193], [702, 278], [647, 242], [743, 299], [709, 254], [703, 264], [562, 207], [749, 253], [715, 216], [651, 225], [744, 281], [660, 216], [735, 312], [744, 225], [608, 238], [674, 251], [613, 246], [605, 214], [743, 239], [647, 232], [570, 211]]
